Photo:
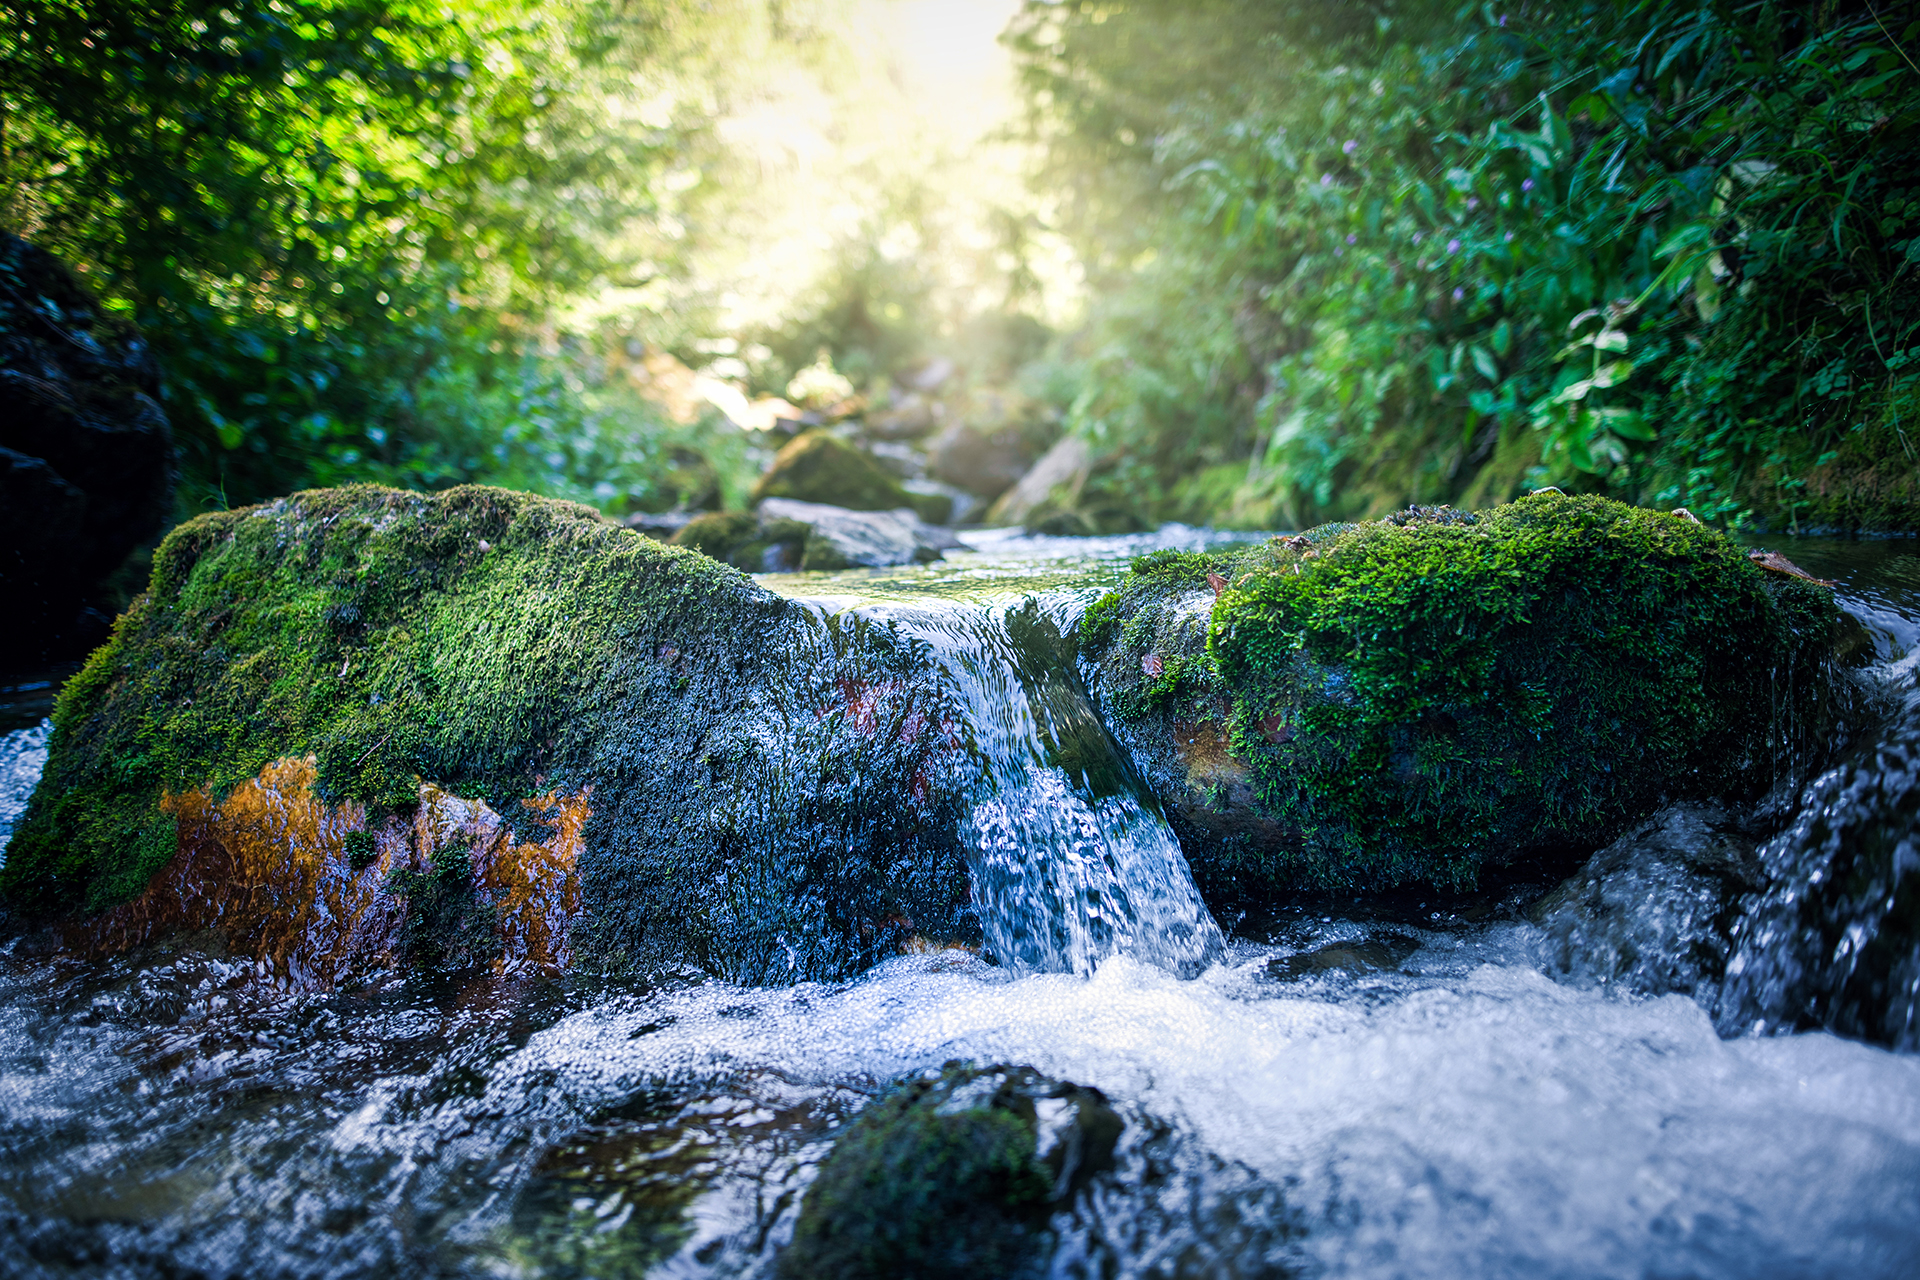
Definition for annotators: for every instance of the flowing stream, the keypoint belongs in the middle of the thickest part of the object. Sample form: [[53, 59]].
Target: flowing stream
[[1636, 1074]]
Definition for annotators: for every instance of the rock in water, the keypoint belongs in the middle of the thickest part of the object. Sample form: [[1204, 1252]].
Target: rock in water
[[820, 467], [841, 539], [786, 535], [86, 455], [357, 726], [1413, 700], [953, 1175]]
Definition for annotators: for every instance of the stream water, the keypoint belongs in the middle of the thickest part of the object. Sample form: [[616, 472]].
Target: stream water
[[1637, 1075]]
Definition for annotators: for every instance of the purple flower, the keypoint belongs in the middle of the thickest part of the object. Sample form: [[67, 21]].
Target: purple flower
[[1338, 252], [1527, 185], [1351, 146], [1473, 202], [1459, 294], [1453, 246], [1326, 179], [1352, 239], [1508, 237], [1417, 235]]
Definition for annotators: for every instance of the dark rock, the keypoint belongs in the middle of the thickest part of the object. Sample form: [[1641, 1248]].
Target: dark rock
[[86, 455], [953, 1175], [1651, 912], [1416, 701], [1834, 939], [565, 740]]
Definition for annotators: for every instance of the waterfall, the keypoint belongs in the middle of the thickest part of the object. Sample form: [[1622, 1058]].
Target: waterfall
[[1072, 861]]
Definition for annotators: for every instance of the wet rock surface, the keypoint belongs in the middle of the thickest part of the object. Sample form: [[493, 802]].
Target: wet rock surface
[[1653, 911], [1833, 939], [86, 454]]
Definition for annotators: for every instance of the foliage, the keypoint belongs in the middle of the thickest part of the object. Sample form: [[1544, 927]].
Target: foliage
[[1354, 263], [345, 224]]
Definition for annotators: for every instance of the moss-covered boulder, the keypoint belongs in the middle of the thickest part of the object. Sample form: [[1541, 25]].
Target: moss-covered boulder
[[1411, 701], [953, 1176], [360, 725], [818, 466]]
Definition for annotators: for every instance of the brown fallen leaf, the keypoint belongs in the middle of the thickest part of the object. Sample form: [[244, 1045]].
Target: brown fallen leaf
[[1152, 665], [1218, 584], [1774, 562]]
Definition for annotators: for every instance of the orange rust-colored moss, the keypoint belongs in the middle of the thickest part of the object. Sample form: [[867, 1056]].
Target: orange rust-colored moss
[[268, 867]]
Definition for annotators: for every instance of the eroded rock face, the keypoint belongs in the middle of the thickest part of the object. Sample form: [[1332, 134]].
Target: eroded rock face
[[86, 455], [484, 727], [1416, 700]]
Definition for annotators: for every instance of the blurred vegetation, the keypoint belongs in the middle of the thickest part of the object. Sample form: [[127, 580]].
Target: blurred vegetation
[[1344, 257], [1334, 257], [346, 226]]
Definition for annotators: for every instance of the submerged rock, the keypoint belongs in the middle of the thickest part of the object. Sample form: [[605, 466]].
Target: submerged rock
[[1419, 699], [785, 535], [86, 454], [359, 726], [954, 1175], [842, 539]]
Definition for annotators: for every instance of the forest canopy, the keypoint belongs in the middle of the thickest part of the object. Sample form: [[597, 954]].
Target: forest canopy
[[1273, 263]]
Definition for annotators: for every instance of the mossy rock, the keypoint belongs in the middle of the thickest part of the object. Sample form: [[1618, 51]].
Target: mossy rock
[[952, 1177], [1415, 700], [818, 466], [498, 650], [745, 541]]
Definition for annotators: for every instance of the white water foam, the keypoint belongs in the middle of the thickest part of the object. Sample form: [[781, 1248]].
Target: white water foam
[[23, 756], [1482, 1122]]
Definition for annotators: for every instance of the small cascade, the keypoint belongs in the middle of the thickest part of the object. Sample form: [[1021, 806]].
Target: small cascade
[[1071, 861]]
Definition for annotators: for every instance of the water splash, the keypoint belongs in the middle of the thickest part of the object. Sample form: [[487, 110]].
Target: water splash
[[1071, 861]]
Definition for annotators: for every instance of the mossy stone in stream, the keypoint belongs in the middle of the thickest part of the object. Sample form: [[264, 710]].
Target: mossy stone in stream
[[952, 1177], [743, 809], [1414, 700], [818, 466]]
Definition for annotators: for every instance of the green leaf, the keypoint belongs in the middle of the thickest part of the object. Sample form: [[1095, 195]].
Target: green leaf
[[1628, 424], [1502, 338], [1484, 362]]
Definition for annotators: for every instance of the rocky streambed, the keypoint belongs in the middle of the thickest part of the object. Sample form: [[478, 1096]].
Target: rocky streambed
[[462, 885]]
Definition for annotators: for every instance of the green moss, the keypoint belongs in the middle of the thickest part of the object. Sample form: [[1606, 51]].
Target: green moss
[[941, 1179], [501, 645], [818, 466], [1415, 699]]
